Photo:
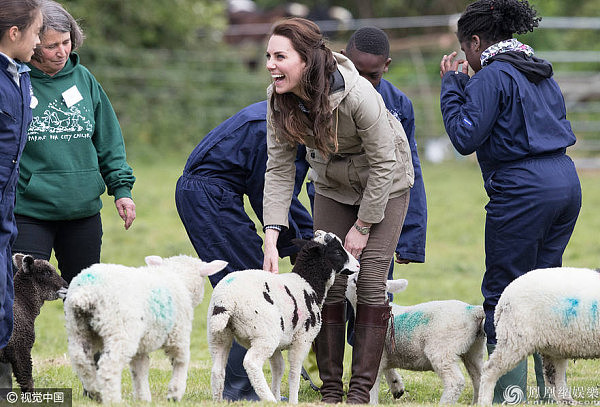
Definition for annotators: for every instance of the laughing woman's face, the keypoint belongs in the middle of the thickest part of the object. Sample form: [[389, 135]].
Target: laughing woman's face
[[285, 65]]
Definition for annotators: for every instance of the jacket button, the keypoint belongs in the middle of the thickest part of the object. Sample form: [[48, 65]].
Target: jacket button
[[312, 154], [14, 161]]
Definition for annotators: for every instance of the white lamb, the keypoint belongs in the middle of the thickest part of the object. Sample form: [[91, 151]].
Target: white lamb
[[122, 313], [555, 312], [430, 336], [268, 313]]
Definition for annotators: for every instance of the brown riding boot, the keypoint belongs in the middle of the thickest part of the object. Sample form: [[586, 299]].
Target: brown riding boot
[[370, 330], [329, 349]]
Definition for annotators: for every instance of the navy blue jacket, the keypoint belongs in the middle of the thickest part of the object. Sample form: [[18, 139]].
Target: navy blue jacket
[[15, 116], [235, 153], [411, 245], [504, 117]]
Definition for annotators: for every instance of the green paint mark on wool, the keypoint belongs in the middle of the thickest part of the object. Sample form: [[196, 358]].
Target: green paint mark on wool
[[84, 279], [161, 305], [407, 322]]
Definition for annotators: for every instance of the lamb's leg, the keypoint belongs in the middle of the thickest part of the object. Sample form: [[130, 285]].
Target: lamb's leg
[[139, 367], [296, 354], [502, 360], [555, 371], [395, 382], [117, 354], [448, 369], [219, 347], [81, 352], [180, 359], [473, 361], [277, 369], [260, 349], [22, 369], [374, 392]]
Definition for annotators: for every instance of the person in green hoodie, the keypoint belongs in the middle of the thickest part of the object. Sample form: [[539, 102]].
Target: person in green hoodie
[[74, 152]]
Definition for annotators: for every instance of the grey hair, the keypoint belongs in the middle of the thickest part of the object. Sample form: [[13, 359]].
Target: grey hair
[[58, 19]]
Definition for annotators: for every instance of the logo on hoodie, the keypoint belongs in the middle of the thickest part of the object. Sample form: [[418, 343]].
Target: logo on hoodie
[[57, 120]]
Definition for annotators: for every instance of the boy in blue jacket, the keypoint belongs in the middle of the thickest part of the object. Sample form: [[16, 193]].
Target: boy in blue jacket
[[228, 164], [512, 114]]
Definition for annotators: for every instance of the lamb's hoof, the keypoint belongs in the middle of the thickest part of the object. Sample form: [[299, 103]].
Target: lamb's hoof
[[92, 395], [174, 397], [398, 394]]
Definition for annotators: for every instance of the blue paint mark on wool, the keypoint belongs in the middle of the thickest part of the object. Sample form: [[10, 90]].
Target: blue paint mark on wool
[[569, 309], [594, 313], [406, 323], [88, 278], [161, 305]]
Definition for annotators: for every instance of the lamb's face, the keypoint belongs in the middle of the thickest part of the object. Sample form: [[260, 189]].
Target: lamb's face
[[340, 258], [50, 285]]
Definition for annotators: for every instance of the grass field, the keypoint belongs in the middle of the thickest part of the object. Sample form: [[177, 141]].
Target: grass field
[[453, 270]]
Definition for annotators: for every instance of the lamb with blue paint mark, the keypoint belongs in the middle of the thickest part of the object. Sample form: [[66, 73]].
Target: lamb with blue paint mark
[[268, 313], [551, 311], [430, 336], [116, 315]]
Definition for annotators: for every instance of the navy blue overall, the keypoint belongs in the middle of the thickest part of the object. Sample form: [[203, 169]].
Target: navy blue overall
[[15, 116], [520, 133], [411, 244], [228, 164]]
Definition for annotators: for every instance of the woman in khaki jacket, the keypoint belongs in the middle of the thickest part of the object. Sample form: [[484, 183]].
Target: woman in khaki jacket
[[364, 172]]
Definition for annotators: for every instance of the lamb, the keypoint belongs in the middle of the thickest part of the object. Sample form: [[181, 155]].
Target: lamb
[[268, 313], [553, 311], [35, 281], [116, 315], [430, 336]]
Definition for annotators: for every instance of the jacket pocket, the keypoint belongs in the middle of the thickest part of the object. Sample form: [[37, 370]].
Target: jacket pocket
[[4, 115], [358, 173], [72, 194], [318, 163]]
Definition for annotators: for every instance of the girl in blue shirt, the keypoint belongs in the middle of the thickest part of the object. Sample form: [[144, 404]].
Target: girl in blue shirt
[[512, 114], [20, 23]]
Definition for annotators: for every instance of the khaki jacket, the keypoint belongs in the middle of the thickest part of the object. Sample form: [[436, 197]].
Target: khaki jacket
[[373, 162]]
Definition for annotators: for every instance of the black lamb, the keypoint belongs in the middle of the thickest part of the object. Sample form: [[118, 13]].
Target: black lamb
[[35, 281]]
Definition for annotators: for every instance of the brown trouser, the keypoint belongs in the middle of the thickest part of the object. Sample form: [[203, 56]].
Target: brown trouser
[[332, 216]]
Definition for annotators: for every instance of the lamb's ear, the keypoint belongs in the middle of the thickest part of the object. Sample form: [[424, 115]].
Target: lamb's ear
[[208, 269], [18, 260], [396, 286], [300, 242], [153, 260]]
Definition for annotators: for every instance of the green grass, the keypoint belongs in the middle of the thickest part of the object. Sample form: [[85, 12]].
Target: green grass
[[453, 269]]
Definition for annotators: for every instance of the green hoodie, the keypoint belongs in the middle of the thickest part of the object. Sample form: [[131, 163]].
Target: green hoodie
[[74, 148]]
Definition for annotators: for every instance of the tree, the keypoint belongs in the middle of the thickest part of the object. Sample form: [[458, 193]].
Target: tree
[[147, 23]]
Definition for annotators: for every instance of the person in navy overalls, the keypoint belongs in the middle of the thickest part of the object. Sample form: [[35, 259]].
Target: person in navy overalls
[[20, 24], [368, 48], [512, 114], [228, 164]]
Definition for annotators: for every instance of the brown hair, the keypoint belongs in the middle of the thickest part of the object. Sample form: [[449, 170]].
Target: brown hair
[[307, 40], [58, 19], [19, 13]]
